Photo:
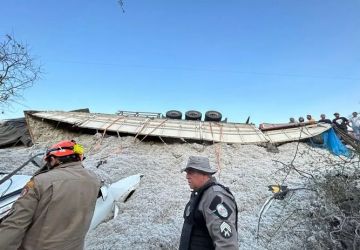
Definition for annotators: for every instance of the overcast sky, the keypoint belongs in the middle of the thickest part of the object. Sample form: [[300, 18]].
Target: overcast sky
[[264, 58]]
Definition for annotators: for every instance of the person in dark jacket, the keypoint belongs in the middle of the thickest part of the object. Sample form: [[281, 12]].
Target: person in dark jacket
[[324, 120], [340, 122], [210, 217]]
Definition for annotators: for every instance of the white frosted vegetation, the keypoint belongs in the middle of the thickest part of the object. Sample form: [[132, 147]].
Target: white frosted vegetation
[[152, 217]]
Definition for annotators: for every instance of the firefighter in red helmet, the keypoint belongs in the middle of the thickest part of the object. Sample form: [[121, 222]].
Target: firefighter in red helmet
[[62, 152], [56, 206]]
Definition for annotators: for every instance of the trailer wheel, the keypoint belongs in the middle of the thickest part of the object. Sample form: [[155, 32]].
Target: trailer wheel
[[174, 114], [193, 115], [213, 116]]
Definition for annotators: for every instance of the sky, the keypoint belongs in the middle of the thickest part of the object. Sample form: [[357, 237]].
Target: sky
[[267, 59]]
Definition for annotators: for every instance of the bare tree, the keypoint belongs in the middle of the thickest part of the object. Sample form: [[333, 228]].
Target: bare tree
[[18, 70]]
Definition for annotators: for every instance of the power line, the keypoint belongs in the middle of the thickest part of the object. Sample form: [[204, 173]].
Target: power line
[[183, 68]]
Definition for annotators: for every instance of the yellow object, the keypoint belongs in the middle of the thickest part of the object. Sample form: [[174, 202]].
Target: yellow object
[[78, 149], [30, 184], [275, 188]]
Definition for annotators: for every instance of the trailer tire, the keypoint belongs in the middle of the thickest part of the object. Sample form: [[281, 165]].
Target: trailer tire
[[193, 115], [174, 114], [213, 116]]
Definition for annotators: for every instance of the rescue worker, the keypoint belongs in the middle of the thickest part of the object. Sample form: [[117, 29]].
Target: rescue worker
[[56, 206], [210, 217]]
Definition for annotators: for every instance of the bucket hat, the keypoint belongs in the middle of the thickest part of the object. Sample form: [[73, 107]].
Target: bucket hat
[[200, 164]]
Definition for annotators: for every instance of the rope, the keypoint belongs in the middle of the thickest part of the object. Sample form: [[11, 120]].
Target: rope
[[239, 133], [212, 134], [162, 140], [154, 130], [142, 128], [218, 150], [102, 137], [259, 132]]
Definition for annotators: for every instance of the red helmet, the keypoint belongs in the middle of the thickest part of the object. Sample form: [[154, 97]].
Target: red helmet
[[63, 148]]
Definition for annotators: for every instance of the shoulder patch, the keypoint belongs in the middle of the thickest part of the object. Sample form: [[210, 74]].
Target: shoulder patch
[[225, 230], [29, 185], [220, 208], [222, 211], [215, 202]]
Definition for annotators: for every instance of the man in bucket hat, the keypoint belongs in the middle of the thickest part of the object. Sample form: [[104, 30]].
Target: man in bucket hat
[[210, 217]]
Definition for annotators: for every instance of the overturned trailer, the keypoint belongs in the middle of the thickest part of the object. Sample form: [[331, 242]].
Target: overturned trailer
[[147, 127]]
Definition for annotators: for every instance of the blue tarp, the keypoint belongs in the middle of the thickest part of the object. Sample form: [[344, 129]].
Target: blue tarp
[[334, 144]]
